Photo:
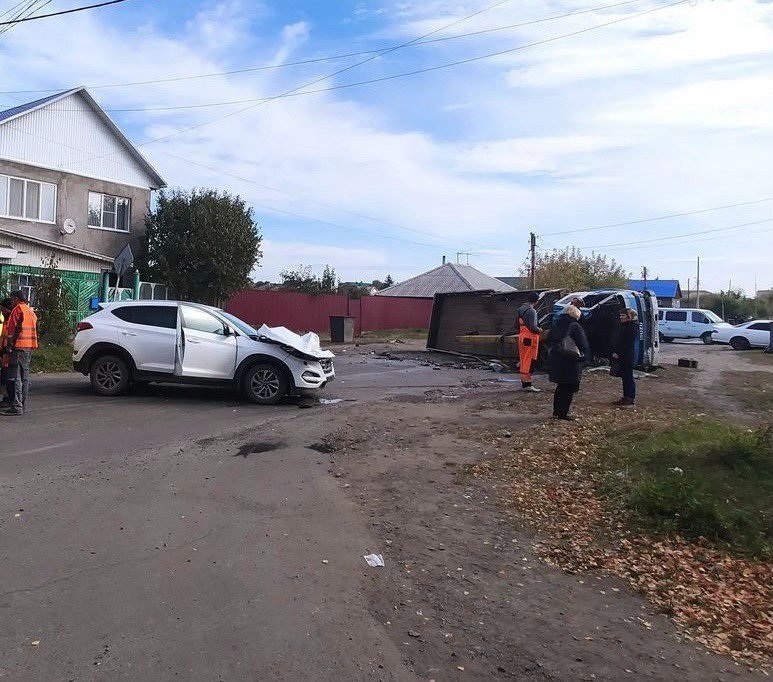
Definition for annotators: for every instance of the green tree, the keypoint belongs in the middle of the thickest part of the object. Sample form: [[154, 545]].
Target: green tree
[[51, 304], [570, 269], [304, 280], [202, 243]]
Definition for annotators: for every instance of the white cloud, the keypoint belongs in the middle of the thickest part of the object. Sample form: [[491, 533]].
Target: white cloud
[[456, 154]]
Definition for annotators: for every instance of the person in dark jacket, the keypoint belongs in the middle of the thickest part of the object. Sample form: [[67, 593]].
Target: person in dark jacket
[[566, 359], [623, 347]]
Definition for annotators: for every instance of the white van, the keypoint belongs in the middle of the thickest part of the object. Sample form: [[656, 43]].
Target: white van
[[688, 323]]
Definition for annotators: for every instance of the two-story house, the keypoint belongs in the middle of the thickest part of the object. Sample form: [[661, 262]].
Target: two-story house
[[72, 186]]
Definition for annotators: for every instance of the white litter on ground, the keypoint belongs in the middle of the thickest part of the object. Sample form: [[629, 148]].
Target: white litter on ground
[[374, 560], [330, 401]]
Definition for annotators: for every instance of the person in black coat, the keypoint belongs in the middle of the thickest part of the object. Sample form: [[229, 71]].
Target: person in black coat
[[623, 352], [566, 359]]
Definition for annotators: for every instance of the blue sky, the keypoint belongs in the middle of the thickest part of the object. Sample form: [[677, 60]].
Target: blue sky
[[667, 112]]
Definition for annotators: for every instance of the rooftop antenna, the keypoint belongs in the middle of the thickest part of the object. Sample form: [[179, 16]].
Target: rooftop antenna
[[459, 255]]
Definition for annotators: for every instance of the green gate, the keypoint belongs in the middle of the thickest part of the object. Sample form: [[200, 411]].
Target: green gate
[[79, 287]]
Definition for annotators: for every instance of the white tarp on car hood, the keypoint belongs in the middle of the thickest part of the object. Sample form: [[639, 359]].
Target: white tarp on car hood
[[307, 344]]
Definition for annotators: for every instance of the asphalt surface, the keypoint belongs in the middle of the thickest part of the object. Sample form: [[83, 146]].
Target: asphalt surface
[[180, 533]]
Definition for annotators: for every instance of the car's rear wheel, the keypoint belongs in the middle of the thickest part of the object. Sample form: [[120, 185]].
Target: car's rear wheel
[[109, 375], [265, 384], [740, 343], [707, 338]]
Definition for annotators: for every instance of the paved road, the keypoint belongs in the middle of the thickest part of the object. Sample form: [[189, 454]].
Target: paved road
[[183, 534]]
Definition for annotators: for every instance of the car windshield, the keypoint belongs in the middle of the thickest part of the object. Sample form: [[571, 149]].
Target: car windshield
[[713, 317], [241, 325]]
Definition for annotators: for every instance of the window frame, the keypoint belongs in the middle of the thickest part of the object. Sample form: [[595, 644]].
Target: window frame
[[699, 314], [184, 321], [133, 311], [114, 212], [25, 181], [754, 326], [676, 313], [29, 289]]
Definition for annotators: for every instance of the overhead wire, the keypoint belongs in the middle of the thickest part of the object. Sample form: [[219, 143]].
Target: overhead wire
[[61, 12], [317, 60], [661, 217], [29, 7], [675, 236], [301, 91], [295, 91]]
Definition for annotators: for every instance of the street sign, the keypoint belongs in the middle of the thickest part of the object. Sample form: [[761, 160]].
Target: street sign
[[124, 261]]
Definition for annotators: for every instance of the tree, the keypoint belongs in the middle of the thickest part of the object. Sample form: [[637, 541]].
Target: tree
[[51, 304], [379, 285], [305, 281], [734, 305], [569, 269], [202, 243]]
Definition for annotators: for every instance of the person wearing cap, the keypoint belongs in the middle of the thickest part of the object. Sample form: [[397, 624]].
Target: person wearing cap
[[21, 340], [568, 351], [623, 351]]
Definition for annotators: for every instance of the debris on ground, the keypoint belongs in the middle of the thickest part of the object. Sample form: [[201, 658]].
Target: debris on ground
[[374, 560]]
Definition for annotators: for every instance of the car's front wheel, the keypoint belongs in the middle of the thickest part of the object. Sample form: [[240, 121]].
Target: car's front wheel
[[109, 375], [265, 384], [740, 343]]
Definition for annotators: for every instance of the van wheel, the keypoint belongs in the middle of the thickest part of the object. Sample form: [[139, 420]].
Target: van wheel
[[706, 338], [740, 343], [265, 384], [666, 339], [109, 375]]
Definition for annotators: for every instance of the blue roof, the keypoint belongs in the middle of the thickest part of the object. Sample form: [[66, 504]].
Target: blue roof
[[29, 106], [666, 288]]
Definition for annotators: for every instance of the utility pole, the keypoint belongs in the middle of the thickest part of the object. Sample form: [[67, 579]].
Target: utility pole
[[698, 286], [644, 275], [533, 257], [688, 291]]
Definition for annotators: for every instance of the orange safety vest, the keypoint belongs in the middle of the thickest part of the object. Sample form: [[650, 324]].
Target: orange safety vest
[[22, 328]]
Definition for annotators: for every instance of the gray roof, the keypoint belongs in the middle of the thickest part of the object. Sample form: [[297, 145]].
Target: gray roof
[[445, 279], [520, 283], [21, 109], [29, 106]]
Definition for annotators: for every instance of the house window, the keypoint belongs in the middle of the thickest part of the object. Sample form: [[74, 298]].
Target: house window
[[27, 199], [25, 284], [108, 212]]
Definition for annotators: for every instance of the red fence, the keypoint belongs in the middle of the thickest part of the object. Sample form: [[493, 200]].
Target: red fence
[[303, 312]]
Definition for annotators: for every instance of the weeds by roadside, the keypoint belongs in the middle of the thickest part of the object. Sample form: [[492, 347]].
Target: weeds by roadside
[[52, 358], [604, 495], [700, 479]]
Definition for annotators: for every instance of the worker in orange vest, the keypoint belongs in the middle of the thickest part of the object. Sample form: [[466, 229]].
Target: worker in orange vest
[[6, 385], [21, 340]]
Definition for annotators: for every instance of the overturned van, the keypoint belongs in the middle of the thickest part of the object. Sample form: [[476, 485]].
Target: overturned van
[[471, 322], [600, 321]]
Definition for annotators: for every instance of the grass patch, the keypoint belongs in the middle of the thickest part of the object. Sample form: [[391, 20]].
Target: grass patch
[[700, 478], [390, 334], [52, 358]]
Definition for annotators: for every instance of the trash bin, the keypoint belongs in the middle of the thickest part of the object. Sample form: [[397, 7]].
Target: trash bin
[[341, 329]]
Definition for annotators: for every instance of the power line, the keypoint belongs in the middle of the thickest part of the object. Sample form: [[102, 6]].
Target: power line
[[301, 90], [30, 7], [676, 236], [689, 241], [60, 13], [662, 217], [313, 201], [321, 78], [317, 60], [294, 91]]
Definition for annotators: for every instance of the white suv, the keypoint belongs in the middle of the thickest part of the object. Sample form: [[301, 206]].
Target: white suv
[[142, 341]]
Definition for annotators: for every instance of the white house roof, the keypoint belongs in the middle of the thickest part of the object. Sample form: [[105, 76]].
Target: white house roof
[[68, 140], [446, 279]]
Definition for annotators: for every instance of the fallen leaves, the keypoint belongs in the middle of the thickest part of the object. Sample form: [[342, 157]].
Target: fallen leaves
[[551, 475]]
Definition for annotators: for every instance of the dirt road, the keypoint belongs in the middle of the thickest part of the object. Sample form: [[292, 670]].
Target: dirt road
[[212, 540]]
